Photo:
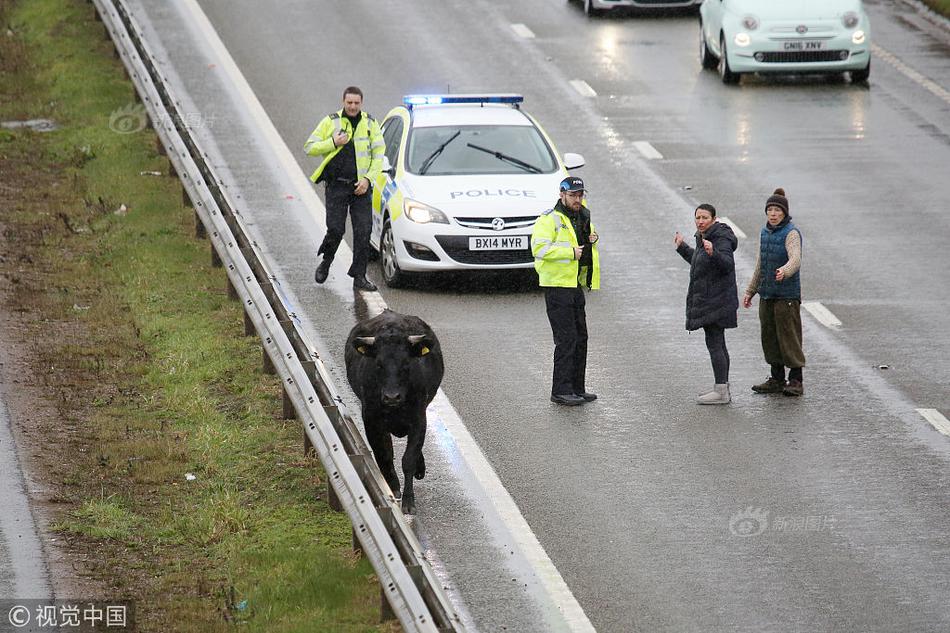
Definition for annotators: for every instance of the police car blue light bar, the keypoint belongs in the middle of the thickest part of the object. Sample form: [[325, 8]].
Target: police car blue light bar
[[415, 100]]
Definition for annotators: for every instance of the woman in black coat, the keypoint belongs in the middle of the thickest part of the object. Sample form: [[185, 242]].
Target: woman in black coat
[[712, 300]]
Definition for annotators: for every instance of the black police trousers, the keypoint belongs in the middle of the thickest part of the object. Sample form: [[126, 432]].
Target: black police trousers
[[340, 201], [568, 317]]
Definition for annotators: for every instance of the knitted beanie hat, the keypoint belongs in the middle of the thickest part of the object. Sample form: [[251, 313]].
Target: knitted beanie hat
[[778, 199]]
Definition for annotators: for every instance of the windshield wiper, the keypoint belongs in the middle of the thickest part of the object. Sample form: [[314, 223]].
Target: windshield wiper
[[508, 159], [435, 153]]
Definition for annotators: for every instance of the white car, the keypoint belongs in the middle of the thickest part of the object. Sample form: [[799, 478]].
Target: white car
[[785, 36], [600, 7], [464, 179]]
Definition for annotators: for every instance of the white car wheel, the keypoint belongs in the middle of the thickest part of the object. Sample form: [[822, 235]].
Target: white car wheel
[[706, 58], [590, 10], [392, 275], [725, 73], [861, 76]]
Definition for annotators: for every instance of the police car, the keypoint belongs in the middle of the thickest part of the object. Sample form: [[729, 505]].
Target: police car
[[464, 178]]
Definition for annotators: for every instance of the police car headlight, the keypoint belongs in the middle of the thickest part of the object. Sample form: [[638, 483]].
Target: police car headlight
[[423, 213]]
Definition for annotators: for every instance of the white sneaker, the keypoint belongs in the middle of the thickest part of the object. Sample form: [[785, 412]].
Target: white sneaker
[[719, 395]]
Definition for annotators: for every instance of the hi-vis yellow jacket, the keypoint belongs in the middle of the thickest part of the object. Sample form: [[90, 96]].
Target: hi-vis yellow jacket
[[552, 244], [367, 139]]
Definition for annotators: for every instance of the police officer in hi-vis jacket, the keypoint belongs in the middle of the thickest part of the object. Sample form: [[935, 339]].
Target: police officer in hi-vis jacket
[[564, 245], [351, 147]]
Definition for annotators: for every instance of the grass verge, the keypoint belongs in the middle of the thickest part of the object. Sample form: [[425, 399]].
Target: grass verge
[[137, 351], [940, 6]]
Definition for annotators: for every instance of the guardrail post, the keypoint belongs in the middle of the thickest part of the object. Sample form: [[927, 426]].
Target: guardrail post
[[332, 499], [289, 412], [232, 291], [200, 231], [248, 325], [215, 258], [268, 363], [159, 146]]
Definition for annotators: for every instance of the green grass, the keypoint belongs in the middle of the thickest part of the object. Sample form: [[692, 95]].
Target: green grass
[[166, 383], [940, 6]]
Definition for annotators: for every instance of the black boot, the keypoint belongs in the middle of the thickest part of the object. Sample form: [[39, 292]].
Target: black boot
[[323, 270], [362, 283]]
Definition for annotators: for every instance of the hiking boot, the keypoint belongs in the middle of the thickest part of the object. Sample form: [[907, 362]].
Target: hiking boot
[[770, 386], [719, 395], [794, 388]]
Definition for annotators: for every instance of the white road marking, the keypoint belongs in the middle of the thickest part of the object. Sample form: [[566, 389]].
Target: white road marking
[[822, 314], [558, 591], [647, 151], [582, 88], [522, 31], [732, 225], [938, 90], [936, 419]]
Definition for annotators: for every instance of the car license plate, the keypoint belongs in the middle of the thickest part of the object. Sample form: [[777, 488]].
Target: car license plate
[[804, 45], [498, 243]]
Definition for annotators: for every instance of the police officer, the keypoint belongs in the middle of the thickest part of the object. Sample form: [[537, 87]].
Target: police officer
[[351, 148], [564, 244]]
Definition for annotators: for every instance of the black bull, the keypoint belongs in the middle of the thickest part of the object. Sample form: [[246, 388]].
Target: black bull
[[394, 365]]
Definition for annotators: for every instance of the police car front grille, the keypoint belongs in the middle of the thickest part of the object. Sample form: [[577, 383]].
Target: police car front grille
[[799, 57], [519, 222], [456, 247]]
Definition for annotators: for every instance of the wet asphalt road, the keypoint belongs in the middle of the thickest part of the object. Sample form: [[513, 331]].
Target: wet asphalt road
[[639, 498]]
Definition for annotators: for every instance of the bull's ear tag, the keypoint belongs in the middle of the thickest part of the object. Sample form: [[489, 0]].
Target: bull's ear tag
[[361, 349], [425, 350]]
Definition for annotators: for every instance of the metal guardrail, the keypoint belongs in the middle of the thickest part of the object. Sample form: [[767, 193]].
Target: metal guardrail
[[408, 585]]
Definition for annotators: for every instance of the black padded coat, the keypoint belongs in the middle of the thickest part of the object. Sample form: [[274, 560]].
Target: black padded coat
[[712, 298]]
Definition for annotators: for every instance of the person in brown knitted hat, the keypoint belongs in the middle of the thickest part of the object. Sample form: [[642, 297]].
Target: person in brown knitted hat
[[777, 281]]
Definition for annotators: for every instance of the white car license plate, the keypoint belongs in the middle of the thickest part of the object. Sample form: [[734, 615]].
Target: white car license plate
[[498, 243], [804, 45]]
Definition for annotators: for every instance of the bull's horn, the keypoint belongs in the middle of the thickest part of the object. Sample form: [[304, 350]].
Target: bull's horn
[[416, 338], [365, 340]]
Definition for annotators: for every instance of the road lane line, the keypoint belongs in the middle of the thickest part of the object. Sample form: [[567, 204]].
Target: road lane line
[[936, 419], [892, 59], [522, 31], [732, 225], [582, 88], [822, 314], [556, 588], [647, 151]]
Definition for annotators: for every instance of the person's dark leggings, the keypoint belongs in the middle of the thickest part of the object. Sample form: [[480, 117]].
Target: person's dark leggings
[[718, 354]]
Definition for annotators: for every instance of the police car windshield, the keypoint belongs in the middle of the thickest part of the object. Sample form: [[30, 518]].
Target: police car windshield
[[521, 142]]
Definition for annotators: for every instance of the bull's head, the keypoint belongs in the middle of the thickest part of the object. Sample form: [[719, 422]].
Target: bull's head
[[394, 355]]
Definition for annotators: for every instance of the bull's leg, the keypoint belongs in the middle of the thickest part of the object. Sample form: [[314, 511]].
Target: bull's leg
[[382, 444], [421, 466], [411, 461]]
